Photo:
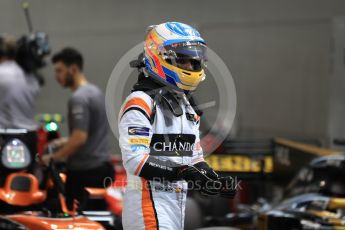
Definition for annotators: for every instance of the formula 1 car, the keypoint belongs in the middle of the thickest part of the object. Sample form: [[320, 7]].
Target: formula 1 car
[[24, 196], [315, 199]]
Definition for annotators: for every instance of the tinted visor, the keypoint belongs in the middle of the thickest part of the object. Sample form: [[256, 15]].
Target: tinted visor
[[188, 56]]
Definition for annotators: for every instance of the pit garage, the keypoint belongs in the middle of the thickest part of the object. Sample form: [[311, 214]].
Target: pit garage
[[172, 115]]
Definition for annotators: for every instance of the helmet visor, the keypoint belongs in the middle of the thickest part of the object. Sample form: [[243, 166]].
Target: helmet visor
[[186, 55]]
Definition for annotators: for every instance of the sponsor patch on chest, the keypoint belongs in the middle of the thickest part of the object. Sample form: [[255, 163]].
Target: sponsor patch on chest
[[172, 145], [139, 141], [139, 131]]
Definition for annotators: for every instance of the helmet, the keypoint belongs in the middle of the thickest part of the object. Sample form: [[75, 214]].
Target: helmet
[[174, 54]]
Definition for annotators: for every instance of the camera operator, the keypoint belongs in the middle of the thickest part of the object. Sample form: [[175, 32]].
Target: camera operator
[[18, 93]]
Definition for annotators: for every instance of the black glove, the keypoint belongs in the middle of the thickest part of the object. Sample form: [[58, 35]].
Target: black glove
[[228, 189], [207, 170], [200, 181]]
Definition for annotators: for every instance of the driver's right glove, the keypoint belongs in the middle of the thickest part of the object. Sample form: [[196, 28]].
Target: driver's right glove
[[228, 187], [199, 180]]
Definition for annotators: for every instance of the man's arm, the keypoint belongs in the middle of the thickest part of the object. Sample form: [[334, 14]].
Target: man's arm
[[74, 142], [80, 120], [58, 143]]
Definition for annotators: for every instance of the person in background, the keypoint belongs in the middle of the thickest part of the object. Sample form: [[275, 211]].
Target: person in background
[[86, 150], [18, 93]]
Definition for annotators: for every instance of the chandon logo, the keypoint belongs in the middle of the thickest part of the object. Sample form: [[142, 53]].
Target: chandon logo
[[172, 144], [162, 146]]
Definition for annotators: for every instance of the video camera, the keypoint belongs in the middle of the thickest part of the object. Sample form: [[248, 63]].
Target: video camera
[[31, 51], [32, 48]]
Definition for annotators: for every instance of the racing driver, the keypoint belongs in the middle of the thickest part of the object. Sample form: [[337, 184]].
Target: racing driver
[[159, 131]]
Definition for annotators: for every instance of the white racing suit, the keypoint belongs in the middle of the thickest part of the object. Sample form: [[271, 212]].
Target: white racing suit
[[150, 134]]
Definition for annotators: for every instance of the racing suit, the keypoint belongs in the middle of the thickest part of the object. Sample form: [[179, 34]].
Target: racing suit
[[152, 134]]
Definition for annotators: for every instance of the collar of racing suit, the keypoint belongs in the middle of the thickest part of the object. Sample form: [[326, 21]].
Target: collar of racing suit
[[161, 94]]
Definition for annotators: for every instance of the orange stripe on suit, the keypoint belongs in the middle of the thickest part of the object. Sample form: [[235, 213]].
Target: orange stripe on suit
[[141, 164], [136, 101], [149, 215]]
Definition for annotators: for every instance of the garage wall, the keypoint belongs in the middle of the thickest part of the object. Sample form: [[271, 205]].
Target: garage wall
[[336, 125], [281, 74], [278, 51]]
